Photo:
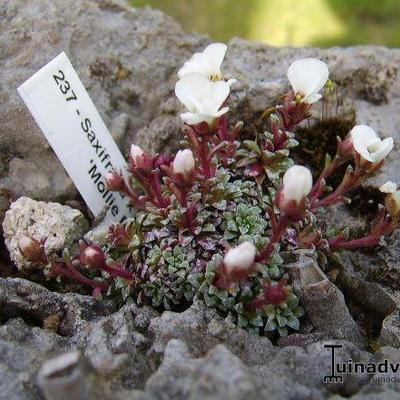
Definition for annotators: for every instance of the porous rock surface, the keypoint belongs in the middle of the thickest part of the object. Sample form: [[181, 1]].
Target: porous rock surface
[[134, 353], [60, 227], [127, 59]]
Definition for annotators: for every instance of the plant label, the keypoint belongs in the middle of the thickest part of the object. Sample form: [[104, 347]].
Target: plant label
[[62, 108]]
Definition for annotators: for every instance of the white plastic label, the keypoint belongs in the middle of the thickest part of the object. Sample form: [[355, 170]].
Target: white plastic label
[[71, 123]]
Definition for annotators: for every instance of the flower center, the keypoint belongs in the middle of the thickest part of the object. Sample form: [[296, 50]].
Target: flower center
[[214, 77], [299, 97], [374, 145]]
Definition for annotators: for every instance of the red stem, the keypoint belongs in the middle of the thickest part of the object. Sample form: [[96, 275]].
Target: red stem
[[338, 195], [70, 272], [384, 227], [277, 232], [325, 174], [132, 196], [113, 271], [202, 154], [223, 128]]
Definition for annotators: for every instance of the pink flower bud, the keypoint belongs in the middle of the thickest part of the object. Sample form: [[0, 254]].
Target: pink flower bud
[[240, 258], [183, 163], [136, 152], [92, 255], [31, 249], [114, 181]]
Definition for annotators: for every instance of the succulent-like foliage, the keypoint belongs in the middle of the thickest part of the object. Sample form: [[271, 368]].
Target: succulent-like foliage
[[212, 221]]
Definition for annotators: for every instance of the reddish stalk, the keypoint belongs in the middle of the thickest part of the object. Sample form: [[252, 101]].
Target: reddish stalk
[[385, 226], [116, 271], [71, 272], [325, 174], [277, 232], [203, 156], [349, 181]]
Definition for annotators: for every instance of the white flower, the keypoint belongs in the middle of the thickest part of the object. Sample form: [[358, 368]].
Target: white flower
[[368, 145], [202, 98], [136, 152], [307, 77], [240, 257], [297, 184], [207, 63], [392, 203], [183, 162], [388, 187]]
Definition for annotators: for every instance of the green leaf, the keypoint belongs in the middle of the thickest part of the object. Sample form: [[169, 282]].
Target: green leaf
[[257, 321], [208, 228], [274, 271], [209, 300], [242, 322], [281, 320], [299, 311], [293, 323], [203, 287], [253, 146], [283, 332], [292, 301], [271, 325], [232, 226]]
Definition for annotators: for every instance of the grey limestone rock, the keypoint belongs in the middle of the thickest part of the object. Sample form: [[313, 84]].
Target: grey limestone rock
[[71, 376], [324, 303], [60, 226], [127, 59], [140, 355], [203, 330]]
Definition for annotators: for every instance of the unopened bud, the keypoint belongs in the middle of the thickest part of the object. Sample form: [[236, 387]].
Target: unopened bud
[[92, 255], [32, 249], [183, 163], [297, 184], [136, 152], [240, 258], [114, 181]]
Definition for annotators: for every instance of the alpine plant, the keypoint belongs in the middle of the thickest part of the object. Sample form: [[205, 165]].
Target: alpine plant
[[212, 220]]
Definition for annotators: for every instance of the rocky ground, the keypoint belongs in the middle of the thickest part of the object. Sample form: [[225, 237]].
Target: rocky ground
[[55, 345]]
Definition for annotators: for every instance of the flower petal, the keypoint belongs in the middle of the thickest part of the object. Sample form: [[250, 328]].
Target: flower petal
[[192, 89], [308, 76], [214, 54], [202, 98], [312, 98], [208, 62], [195, 118], [220, 92], [361, 135], [222, 111], [388, 187], [385, 148]]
